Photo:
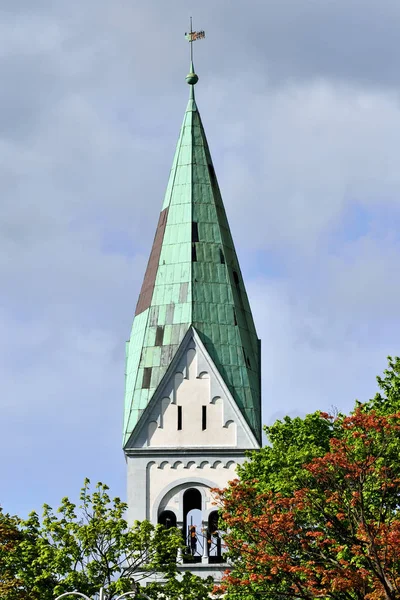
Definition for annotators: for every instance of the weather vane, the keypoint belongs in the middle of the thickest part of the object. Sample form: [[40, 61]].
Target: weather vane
[[192, 36]]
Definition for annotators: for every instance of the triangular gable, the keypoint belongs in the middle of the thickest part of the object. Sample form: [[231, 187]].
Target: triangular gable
[[192, 382]]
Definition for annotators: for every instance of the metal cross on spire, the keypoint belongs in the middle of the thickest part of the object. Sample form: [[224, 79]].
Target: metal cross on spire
[[192, 36]]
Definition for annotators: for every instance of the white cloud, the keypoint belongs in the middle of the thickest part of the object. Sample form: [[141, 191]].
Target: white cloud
[[303, 121], [315, 150], [326, 334]]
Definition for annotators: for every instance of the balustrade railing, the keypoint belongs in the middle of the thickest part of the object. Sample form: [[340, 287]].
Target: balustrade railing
[[133, 594], [206, 547]]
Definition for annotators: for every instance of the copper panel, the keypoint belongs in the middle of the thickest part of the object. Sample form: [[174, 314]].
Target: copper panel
[[159, 335], [146, 293], [146, 377]]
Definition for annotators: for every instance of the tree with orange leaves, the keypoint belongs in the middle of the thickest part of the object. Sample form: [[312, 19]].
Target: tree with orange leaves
[[332, 529], [10, 537]]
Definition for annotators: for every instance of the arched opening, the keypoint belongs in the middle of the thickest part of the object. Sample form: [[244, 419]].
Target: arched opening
[[167, 518], [192, 523], [214, 540]]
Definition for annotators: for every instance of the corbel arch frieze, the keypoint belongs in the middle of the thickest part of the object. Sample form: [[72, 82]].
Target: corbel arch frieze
[[191, 464]]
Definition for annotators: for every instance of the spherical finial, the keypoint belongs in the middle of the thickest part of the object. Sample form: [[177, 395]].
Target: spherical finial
[[192, 78]]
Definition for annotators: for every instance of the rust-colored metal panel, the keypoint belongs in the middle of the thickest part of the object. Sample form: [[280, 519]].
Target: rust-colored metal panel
[[146, 293]]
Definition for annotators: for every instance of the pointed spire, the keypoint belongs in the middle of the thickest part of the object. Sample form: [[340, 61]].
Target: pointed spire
[[193, 279]]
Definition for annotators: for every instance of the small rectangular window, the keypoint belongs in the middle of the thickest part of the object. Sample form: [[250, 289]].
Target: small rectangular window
[[146, 378], [234, 317], [179, 418], [204, 418], [195, 232], [194, 253], [211, 172], [221, 257], [159, 335], [246, 358]]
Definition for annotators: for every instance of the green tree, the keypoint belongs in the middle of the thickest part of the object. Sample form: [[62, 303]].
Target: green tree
[[90, 546], [387, 401], [315, 513], [10, 537], [278, 466], [188, 587]]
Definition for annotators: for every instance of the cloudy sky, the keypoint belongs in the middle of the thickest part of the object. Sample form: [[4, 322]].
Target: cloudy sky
[[300, 101]]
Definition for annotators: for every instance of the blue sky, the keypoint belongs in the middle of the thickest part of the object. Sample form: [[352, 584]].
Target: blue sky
[[300, 102]]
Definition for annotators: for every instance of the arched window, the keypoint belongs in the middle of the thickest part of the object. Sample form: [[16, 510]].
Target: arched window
[[214, 540], [167, 518], [192, 523], [213, 521]]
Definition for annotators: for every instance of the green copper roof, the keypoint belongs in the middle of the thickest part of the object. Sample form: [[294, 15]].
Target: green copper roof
[[193, 278]]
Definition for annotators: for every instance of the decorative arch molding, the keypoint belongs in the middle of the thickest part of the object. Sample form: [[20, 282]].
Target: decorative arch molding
[[165, 402], [178, 464], [191, 357], [204, 375], [149, 465], [179, 484], [191, 464], [218, 465], [178, 380]]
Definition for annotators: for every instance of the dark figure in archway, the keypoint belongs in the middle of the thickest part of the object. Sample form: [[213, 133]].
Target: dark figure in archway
[[193, 540]]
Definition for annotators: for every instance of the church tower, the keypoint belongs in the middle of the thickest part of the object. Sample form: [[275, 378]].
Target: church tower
[[192, 388]]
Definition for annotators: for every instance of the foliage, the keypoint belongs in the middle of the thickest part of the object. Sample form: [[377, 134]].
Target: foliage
[[388, 400], [189, 587], [316, 513], [10, 536], [278, 466], [89, 547]]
